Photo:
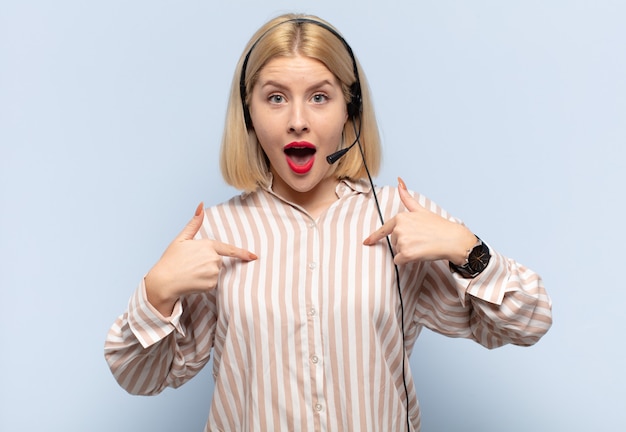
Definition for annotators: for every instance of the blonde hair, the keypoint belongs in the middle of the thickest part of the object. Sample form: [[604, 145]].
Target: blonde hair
[[242, 161]]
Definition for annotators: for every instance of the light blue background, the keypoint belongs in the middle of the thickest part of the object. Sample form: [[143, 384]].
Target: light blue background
[[510, 114]]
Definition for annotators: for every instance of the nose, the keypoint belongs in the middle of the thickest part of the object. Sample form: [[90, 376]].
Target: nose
[[298, 122]]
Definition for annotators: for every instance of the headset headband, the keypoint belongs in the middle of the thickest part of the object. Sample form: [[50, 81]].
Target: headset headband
[[354, 106]]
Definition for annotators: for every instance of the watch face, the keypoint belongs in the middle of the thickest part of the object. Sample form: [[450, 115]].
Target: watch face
[[479, 258]]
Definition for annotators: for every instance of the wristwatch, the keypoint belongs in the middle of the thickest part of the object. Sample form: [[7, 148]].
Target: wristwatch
[[477, 261]]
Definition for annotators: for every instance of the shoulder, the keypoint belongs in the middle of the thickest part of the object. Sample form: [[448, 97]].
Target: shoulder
[[243, 200], [225, 217], [390, 195], [389, 199]]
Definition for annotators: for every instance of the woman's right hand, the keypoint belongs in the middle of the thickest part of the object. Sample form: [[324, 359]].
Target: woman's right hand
[[188, 266]]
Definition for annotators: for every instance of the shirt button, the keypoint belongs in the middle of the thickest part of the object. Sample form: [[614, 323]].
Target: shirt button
[[318, 407], [315, 359], [312, 265], [312, 312], [311, 224]]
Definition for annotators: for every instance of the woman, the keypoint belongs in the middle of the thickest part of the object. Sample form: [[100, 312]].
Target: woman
[[310, 301]]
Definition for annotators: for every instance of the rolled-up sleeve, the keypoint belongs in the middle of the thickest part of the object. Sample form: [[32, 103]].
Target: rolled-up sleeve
[[147, 352]]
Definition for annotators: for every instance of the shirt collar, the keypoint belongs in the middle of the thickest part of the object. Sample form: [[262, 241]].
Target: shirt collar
[[347, 185], [344, 187]]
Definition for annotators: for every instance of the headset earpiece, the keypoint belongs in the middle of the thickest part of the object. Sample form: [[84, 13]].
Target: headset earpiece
[[356, 103]]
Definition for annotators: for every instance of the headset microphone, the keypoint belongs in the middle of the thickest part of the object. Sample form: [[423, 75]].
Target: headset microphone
[[334, 157]]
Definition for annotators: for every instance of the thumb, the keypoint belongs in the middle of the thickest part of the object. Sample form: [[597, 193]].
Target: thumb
[[409, 202], [192, 228]]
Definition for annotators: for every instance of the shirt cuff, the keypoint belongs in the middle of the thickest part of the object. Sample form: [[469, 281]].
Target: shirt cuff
[[490, 285], [147, 324]]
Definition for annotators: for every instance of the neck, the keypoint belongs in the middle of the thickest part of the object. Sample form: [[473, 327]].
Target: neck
[[314, 201]]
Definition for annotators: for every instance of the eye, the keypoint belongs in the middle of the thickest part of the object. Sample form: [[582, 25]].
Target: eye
[[319, 98], [276, 98]]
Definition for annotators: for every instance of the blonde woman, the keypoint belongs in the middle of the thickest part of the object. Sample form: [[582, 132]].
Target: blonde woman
[[311, 287]]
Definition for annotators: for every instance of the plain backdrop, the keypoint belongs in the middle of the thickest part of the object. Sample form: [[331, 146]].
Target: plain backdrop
[[509, 114]]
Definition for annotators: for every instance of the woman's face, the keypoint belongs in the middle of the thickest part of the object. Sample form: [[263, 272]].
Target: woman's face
[[298, 112]]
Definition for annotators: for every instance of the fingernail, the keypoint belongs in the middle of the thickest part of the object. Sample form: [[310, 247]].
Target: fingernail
[[252, 256], [199, 209], [401, 183]]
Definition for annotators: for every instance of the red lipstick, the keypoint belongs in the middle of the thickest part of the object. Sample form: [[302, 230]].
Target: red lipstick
[[300, 156]]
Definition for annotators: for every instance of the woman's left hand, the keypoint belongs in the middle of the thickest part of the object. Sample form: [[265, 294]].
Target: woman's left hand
[[421, 235]]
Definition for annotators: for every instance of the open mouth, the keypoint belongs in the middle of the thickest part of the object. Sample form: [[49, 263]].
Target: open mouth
[[300, 156]]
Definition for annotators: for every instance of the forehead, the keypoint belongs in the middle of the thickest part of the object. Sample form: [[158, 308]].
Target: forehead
[[295, 67]]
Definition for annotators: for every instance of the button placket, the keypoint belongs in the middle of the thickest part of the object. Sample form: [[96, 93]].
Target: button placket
[[315, 349]]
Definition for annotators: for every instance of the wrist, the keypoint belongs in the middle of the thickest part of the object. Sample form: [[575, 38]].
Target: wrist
[[463, 245], [161, 302]]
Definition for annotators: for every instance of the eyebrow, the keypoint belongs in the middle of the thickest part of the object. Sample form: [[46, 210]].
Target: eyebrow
[[273, 83]]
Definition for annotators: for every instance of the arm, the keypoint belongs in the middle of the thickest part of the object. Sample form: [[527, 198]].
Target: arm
[[165, 336], [505, 303]]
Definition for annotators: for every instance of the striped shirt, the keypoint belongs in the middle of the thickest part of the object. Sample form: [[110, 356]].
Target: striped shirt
[[308, 337]]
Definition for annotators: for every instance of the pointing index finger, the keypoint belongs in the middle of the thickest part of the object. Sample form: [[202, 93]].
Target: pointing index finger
[[380, 233], [224, 249]]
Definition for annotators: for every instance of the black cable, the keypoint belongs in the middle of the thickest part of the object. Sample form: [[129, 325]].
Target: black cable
[[393, 255]]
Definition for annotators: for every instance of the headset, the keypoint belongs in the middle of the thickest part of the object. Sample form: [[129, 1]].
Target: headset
[[356, 102], [354, 109]]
